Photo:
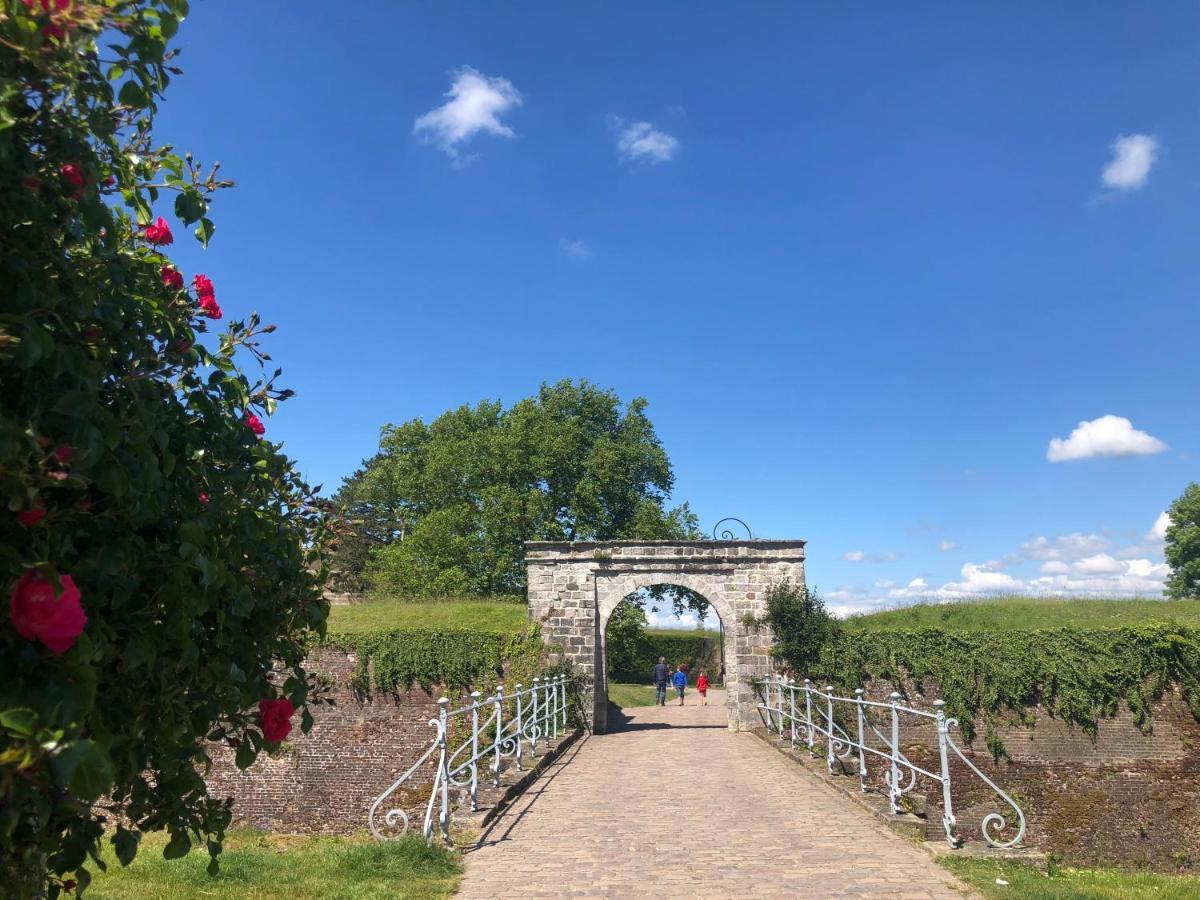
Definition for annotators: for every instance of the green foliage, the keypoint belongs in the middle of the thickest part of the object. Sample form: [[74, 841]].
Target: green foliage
[[635, 662], [1183, 545], [1026, 882], [299, 868], [444, 507], [625, 642], [188, 538], [393, 661], [1080, 675], [801, 624], [1024, 613], [492, 614]]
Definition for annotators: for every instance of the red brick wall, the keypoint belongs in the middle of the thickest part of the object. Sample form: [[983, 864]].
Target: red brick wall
[[325, 781]]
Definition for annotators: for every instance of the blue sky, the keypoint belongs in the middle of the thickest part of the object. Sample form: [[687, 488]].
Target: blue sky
[[865, 263]]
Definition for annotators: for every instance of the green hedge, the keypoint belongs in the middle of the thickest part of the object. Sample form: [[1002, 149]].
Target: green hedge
[[393, 661], [1079, 675], [692, 649]]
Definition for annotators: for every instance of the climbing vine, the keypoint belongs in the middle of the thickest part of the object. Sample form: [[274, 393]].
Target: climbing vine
[[1077, 675]]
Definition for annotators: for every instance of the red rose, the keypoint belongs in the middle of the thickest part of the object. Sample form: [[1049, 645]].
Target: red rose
[[158, 232], [254, 423], [203, 285], [32, 183], [38, 614], [92, 334], [204, 498], [276, 716], [71, 174], [64, 452], [172, 278], [110, 181], [209, 305], [30, 517]]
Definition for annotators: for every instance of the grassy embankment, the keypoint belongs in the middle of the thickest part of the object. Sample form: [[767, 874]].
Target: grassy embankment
[[256, 866], [468, 615], [1028, 613]]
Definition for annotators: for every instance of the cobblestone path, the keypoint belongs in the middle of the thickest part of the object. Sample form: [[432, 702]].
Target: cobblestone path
[[675, 805]]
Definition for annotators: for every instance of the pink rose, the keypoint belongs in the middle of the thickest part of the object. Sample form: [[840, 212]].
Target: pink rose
[[38, 614], [203, 285], [254, 423], [71, 174], [276, 716], [158, 232], [204, 498], [64, 452], [208, 305]]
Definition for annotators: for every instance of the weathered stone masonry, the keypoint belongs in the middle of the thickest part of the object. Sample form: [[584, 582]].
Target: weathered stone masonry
[[574, 588]]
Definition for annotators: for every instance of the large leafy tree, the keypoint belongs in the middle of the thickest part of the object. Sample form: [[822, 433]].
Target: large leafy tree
[[1183, 545], [156, 551], [449, 504]]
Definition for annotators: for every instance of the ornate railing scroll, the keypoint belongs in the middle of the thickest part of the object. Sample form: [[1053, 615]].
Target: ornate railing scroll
[[804, 714], [503, 726]]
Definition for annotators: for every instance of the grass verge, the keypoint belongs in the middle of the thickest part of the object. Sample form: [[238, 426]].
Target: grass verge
[[1027, 613], [1025, 882], [396, 615], [628, 695], [256, 866]]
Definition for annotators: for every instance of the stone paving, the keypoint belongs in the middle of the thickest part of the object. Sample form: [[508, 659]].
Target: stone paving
[[673, 804]]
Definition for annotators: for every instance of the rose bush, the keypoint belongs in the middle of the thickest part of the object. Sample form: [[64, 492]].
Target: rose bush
[[159, 553]]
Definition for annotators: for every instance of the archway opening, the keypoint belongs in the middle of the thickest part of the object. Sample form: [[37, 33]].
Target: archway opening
[[656, 640]]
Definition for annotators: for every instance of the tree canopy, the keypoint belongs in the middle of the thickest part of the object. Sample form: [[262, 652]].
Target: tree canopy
[[444, 507], [1183, 545]]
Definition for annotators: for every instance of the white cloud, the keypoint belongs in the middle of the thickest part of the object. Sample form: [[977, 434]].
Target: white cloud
[[1158, 531], [575, 249], [1100, 564], [860, 556], [1133, 155], [1055, 567], [854, 556], [1065, 546], [642, 142], [946, 545], [476, 102], [917, 584], [883, 584], [980, 578], [1106, 436]]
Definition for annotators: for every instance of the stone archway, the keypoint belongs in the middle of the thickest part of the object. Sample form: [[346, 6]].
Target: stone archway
[[574, 588]]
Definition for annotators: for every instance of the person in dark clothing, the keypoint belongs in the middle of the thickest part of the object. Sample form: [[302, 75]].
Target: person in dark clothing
[[660, 676]]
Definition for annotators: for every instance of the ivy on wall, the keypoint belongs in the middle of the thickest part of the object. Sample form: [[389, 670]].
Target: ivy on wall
[[393, 661], [1078, 675]]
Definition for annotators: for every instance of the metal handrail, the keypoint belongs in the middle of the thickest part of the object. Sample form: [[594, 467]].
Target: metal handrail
[[781, 713], [538, 713]]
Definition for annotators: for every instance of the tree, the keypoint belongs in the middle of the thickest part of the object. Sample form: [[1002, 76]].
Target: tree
[[572, 463], [802, 626], [154, 547], [625, 638], [1183, 545]]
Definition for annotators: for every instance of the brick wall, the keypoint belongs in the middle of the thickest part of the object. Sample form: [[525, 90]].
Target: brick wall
[[324, 782]]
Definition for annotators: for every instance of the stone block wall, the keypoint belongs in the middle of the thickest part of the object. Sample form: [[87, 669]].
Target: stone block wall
[[574, 588]]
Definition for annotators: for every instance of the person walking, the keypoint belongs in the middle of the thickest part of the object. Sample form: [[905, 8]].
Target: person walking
[[702, 687], [680, 682], [659, 677]]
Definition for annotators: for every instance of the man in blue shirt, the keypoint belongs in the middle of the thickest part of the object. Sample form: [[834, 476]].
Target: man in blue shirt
[[660, 682], [680, 682]]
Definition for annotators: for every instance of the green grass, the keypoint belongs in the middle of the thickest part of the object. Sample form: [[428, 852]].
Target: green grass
[[626, 695], [690, 633], [470, 615], [1028, 883], [1027, 613], [256, 866]]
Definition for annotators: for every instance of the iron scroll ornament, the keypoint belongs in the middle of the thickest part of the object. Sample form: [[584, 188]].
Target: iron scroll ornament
[[724, 534]]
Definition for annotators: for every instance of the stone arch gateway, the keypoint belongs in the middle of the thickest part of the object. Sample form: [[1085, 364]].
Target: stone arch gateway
[[574, 588]]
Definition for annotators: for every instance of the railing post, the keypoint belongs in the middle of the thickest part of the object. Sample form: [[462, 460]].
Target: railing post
[[474, 750], [519, 725], [546, 711], [781, 684], [947, 806], [808, 712], [792, 708], [552, 688], [829, 722], [499, 731], [444, 815], [533, 718], [562, 709], [862, 740], [894, 787]]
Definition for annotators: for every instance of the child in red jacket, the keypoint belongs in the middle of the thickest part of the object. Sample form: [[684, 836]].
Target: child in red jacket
[[702, 687]]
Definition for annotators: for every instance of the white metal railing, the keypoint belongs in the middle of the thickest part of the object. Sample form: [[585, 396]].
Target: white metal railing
[[804, 714], [501, 727]]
